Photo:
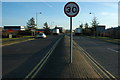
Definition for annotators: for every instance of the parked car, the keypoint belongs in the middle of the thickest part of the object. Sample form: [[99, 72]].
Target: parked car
[[41, 35]]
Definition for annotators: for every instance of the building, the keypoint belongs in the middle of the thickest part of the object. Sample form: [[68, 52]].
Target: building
[[61, 29], [112, 32], [40, 30], [14, 28], [1, 29], [78, 31], [100, 28]]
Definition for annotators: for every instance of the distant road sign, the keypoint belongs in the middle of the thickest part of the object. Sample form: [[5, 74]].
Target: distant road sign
[[71, 9]]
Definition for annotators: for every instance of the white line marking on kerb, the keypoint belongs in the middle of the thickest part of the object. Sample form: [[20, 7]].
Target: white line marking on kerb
[[112, 50]]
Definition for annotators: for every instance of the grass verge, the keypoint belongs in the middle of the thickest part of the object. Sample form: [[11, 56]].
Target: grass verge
[[15, 41], [107, 39], [4, 39]]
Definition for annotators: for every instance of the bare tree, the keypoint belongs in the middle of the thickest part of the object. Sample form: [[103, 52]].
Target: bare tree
[[94, 25]]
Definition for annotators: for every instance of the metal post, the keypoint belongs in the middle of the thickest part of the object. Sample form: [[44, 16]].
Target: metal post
[[36, 24], [71, 39], [36, 19]]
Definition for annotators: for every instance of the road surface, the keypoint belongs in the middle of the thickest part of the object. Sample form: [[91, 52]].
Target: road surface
[[19, 59], [59, 66], [103, 52]]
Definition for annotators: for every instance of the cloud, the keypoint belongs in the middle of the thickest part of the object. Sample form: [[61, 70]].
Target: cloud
[[49, 5], [59, 0], [111, 4], [108, 14]]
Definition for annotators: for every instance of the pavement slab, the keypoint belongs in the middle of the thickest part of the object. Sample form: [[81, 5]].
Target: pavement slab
[[59, 66]]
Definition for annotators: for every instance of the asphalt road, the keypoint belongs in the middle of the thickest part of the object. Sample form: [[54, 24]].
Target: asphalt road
[[19, 59], [59, 67], [103, 52]]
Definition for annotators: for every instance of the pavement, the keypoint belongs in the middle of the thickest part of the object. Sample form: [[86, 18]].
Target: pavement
[[58, 65]]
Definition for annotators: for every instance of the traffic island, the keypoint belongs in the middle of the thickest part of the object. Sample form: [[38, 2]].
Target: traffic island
[[59, 66]]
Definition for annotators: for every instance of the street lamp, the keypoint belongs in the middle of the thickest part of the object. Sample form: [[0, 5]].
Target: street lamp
[[37, 16], [52, 24], [36, 20], [94, 18], [93, 14]]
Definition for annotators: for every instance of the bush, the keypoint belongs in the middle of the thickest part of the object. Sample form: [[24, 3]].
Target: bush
[[25, 33]]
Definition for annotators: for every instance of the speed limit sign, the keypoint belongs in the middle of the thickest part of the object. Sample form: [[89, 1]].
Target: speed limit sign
[[71, 9]]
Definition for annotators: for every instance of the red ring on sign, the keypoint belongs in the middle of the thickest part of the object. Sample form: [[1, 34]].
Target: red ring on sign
[[74, 14]]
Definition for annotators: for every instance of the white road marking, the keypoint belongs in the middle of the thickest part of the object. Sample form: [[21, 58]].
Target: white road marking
[[100, 67], [113, 50]]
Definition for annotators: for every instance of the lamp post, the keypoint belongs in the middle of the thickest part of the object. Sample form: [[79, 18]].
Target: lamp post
[[93, 14], [37, 19], [37, 16], [52, 24], [93, 18]]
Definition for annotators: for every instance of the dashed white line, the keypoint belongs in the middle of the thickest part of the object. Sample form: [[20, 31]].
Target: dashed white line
[[112, 50]]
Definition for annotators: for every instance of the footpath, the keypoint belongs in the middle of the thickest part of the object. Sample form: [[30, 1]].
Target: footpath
[[59, 66]]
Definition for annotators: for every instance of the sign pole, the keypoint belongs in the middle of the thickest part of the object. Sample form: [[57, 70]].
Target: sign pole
[[71, 39], [71, 9]]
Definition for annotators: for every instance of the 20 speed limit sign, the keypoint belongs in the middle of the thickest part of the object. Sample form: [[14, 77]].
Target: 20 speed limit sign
[[71, 9]]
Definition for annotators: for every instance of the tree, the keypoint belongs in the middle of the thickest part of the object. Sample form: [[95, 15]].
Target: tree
[[31, 23], [81, 25], [86, 25], [46, 29], [86, 30], [31, 26], [56, 27], [94, 23], [46, 25]]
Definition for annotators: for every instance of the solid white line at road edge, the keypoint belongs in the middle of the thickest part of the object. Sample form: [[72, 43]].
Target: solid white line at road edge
[[94, 62], [36, 69], [112, 50]]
